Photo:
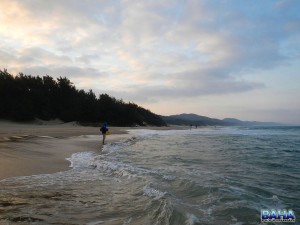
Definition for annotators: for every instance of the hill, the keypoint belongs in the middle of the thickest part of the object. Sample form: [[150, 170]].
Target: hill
[[193, 119]]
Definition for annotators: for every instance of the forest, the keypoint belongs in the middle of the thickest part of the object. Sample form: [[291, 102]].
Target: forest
[[26, 97]]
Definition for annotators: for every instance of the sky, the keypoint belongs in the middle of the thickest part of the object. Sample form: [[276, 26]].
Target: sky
[[216, 58]]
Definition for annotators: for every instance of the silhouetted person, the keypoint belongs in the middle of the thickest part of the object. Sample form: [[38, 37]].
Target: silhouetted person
[[104, 130]]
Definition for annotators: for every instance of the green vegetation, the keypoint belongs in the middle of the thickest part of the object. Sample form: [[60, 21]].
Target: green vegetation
[[26, 97]]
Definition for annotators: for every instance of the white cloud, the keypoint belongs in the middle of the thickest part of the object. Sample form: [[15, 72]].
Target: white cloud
[[150, 50]]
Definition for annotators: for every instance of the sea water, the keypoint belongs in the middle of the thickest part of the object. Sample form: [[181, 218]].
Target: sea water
[[200, 176]]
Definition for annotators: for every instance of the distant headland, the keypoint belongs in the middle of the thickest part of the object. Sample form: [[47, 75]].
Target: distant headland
[[196, 120]]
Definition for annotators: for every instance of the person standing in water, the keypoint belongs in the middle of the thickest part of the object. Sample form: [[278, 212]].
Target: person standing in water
[[104, 130]]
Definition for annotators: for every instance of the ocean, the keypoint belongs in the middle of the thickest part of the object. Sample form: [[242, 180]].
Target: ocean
[[206, 176]]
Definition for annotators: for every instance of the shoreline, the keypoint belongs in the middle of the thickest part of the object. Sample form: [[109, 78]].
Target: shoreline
[[32, 149], [10, 130]]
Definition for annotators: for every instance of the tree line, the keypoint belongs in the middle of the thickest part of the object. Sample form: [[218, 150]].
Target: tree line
[[26, 97]]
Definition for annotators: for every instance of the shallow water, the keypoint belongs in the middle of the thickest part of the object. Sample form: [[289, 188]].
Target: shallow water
[[201, 176]]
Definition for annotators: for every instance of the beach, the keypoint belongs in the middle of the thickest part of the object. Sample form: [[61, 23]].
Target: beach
[[42, 148]]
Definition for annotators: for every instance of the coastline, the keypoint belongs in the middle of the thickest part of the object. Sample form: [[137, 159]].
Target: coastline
[[43, 148], [32, 149]]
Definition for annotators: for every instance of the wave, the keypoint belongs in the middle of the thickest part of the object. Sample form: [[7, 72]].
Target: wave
[[152, 192], [81, 160]]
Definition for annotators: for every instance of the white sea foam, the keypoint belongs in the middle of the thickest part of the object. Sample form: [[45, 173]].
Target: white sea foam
[[117, 146], [275, 198], [206, 130], [106, 162], [169, 177], [96, 222], [117, 168], [191, 219], [17, 137], [127, 221], [46, 137], [153, 192], [81, 159]]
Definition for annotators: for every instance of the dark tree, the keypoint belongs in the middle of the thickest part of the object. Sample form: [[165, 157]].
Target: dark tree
[[26, 97]]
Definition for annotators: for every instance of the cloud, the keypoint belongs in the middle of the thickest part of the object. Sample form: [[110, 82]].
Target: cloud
[[38, 61], [6, 58], [64, 71], [150, 50], [190, 84], [39, 56]]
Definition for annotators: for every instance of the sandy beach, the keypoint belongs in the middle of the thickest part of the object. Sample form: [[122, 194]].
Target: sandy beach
[[42, 147], [29, 149]]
